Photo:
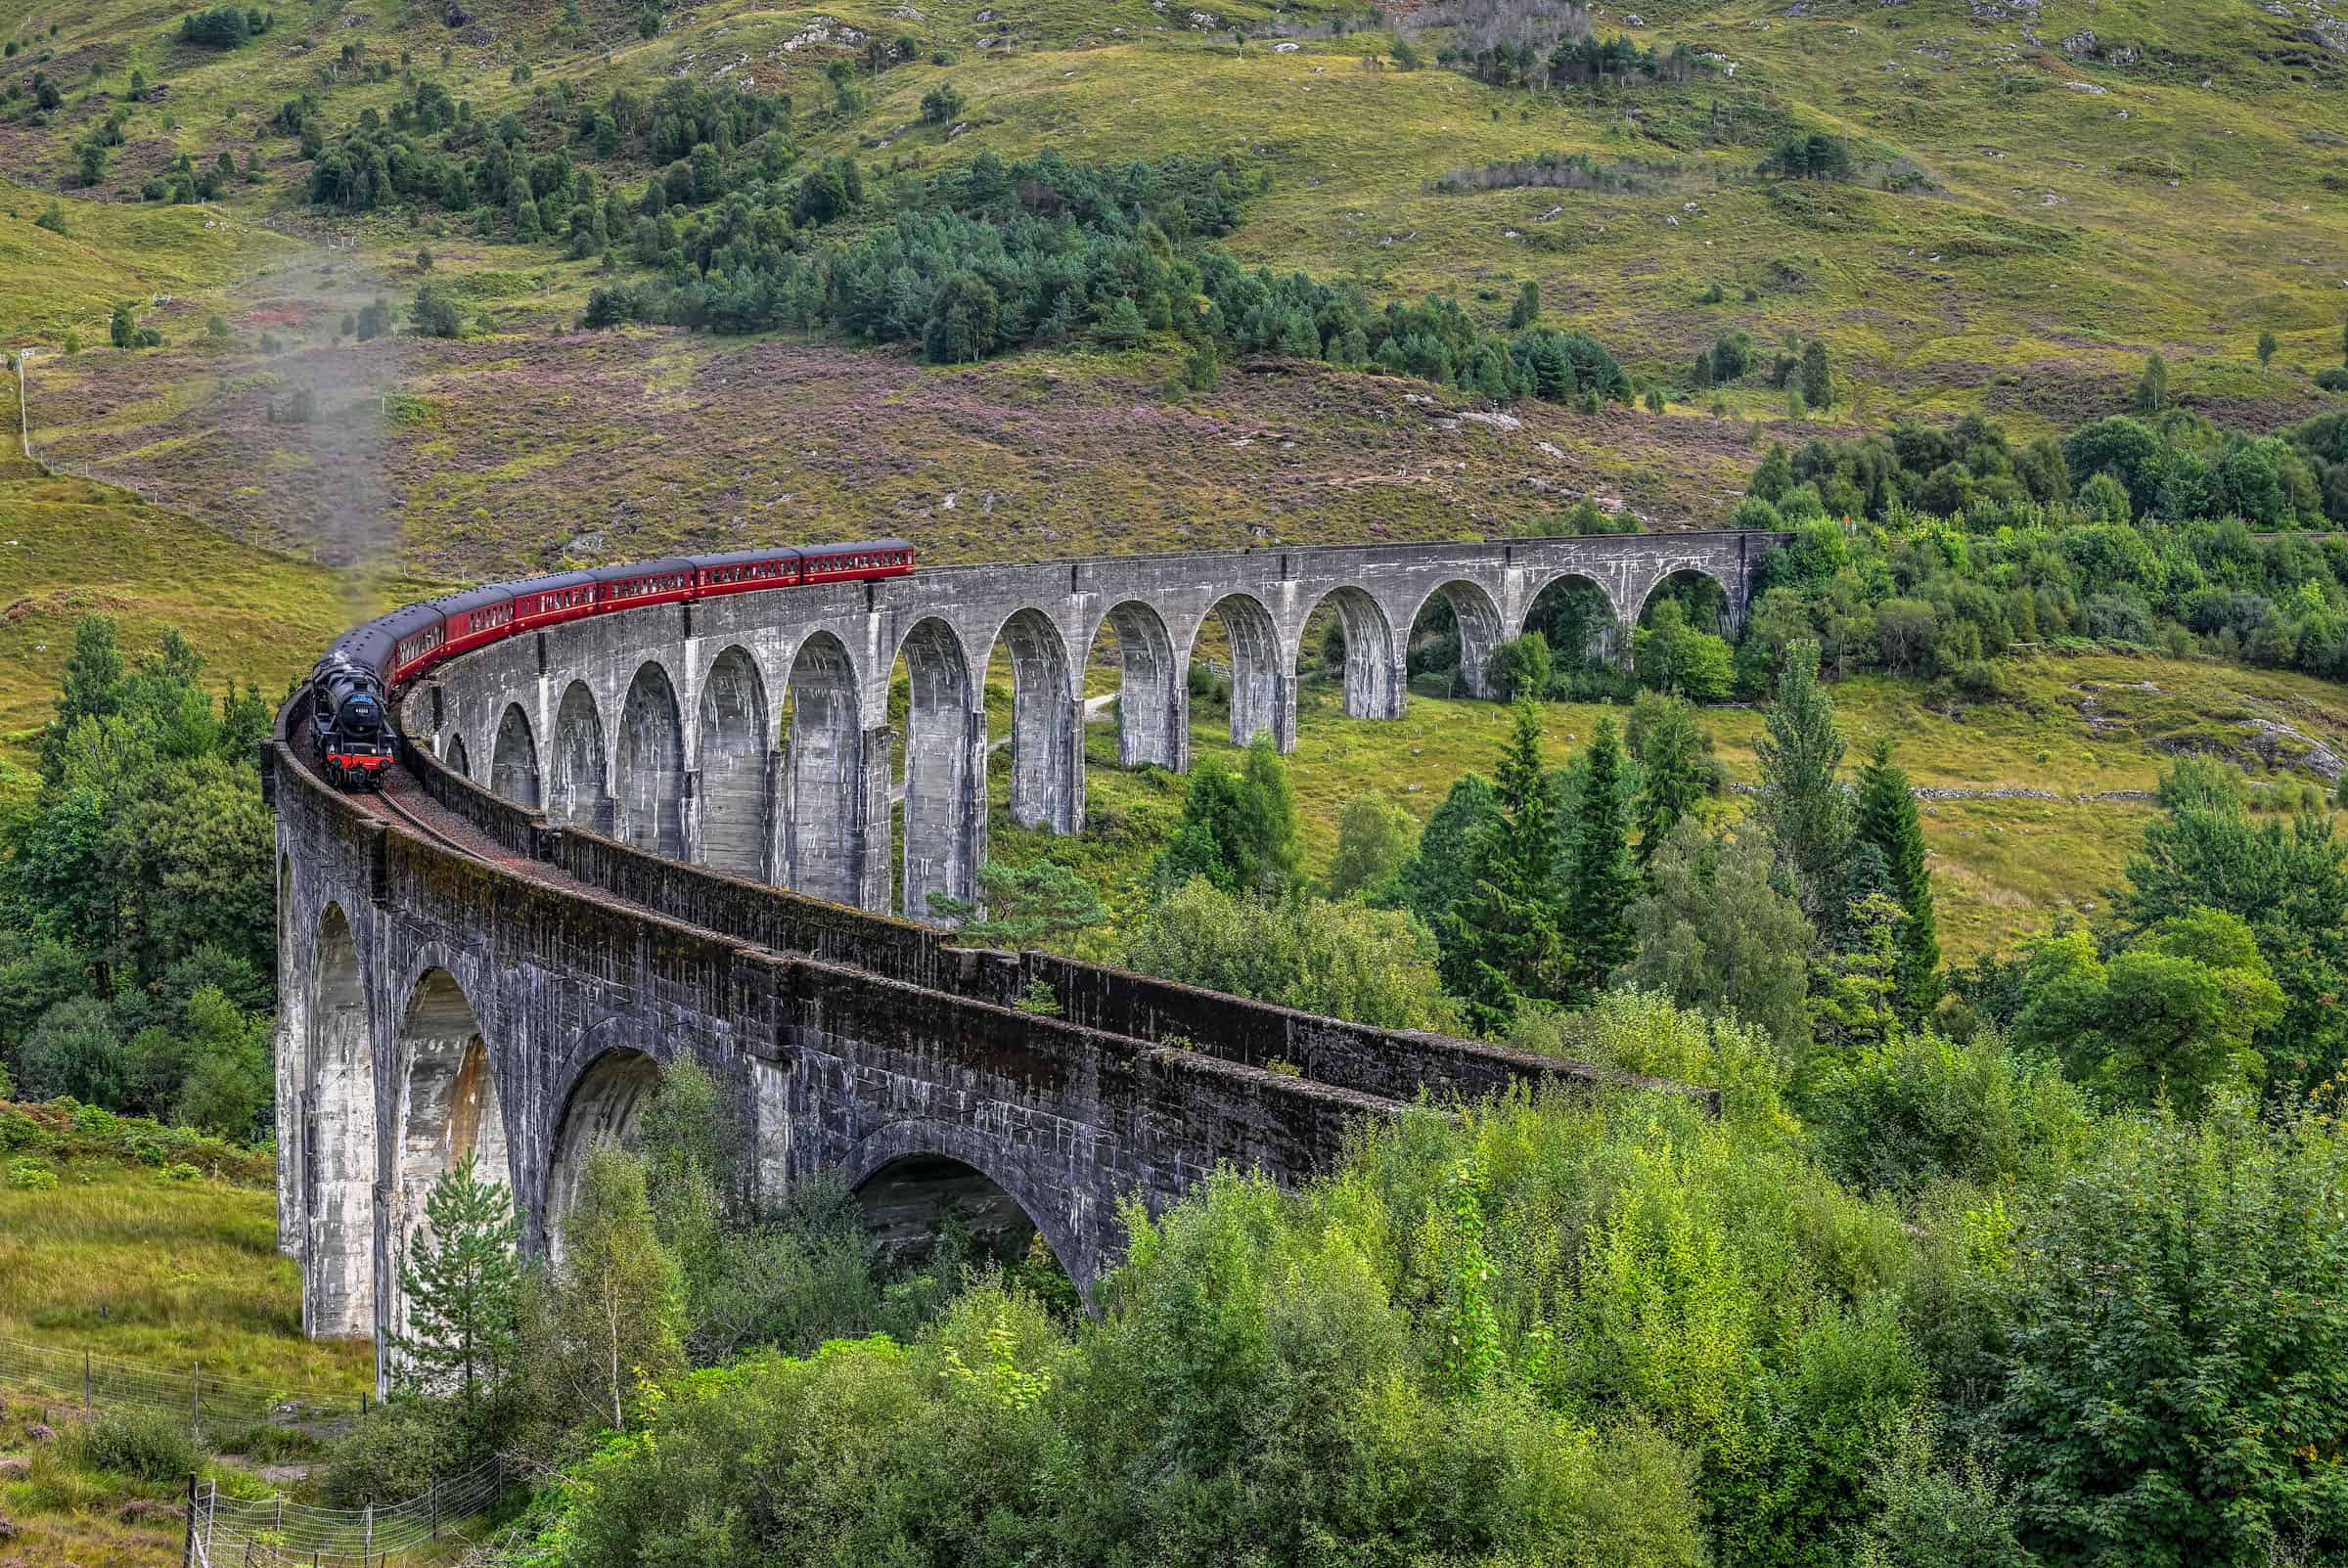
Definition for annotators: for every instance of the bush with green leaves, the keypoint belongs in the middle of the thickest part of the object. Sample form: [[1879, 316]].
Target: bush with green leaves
[[398, 1451], [1917, 1110], [147, 1445], [2170, 1379], [29, 1175], [1344, 960]]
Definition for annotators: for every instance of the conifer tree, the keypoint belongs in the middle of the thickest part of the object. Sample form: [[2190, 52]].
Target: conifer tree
[[1886, 820], [1817, 376], [460, 1279], [1671, 749], [1501, 942], [1437, 878], [1601, 882], [1804, 804], [1238, 830], [1854, 996], [1038, 906]]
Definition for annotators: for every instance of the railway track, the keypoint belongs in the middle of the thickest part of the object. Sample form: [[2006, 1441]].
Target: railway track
[[397, 782], [396, 807]]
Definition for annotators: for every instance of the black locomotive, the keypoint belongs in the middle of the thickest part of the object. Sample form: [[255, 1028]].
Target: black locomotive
[[350, 725]]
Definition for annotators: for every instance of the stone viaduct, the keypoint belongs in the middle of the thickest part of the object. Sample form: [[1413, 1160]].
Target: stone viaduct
[[670, 831]]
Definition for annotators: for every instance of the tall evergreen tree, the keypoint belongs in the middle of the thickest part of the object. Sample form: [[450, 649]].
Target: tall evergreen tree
[[1671, 747], [92, 687], [1817, 376], [1802, 800], [1238, 830], [1887, 819], [1854, 997], [1601, 882], [1502, 943], [1269, 851], [460, 1280], [1437, 878]]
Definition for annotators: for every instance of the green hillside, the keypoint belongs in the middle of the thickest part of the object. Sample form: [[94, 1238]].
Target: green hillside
[[2043, 194]]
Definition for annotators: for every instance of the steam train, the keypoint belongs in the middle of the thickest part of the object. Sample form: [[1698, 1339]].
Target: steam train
[[351, 686]]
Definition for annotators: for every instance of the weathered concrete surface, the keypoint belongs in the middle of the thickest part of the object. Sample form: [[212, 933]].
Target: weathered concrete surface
[[509, 995]]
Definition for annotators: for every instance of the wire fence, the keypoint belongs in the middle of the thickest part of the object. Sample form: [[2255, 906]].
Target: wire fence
[[88, 1383], [273, 1532], [277, 1533]]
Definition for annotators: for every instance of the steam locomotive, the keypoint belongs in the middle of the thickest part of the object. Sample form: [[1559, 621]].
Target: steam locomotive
[[351, 686]]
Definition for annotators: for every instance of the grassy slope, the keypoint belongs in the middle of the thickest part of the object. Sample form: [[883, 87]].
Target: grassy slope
[[126, 1262], [119, 1260], [2076, 726], [2053, 252], [71, 548]]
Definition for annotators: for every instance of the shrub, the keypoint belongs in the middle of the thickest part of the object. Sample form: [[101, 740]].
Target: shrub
[[941, 105], [402, 1446], [1919, 1109], [2178, 1319], [150, 1445], [31, 1176], [433, 314]]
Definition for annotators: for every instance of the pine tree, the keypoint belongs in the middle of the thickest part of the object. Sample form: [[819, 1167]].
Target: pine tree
[[1887, 819], [1437, 878], [1672, 748], [1817, 376], [1123, 327], [91, 688], [1501, 942], [460, 1280], [1601, 882], [2267, 347], [1802, 800], [1042, 905], [1855, 990], [1239, 831], [1267, 853]]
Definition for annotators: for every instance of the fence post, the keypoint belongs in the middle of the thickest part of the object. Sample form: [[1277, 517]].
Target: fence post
[[85, 1385], [367, 1550], [436, 1508], [281, 1513], [187, 1549]]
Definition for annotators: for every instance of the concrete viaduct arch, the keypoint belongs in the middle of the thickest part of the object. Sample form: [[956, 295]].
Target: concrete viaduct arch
[[680, 846], [751, 734]]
